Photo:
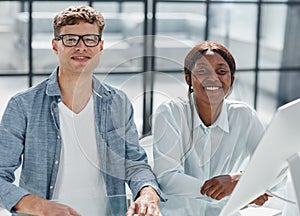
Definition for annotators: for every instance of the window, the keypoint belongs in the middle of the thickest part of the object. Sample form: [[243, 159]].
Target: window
[[262, 35]]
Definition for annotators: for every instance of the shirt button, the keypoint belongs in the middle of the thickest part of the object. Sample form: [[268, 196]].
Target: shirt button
[[56, 162], [51, 187], [58, 137]]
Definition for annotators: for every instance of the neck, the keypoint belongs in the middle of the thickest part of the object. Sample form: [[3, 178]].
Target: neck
[[76, 90], [208, 112]]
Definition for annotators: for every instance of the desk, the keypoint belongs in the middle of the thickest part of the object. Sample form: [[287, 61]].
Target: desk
[[96, 206], [183, 206], [171, 208]]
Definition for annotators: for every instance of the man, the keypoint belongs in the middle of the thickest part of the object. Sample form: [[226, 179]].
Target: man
[[75, 137]]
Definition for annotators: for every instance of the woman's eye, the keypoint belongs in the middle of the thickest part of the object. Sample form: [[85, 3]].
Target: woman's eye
[[200, 71], [222, 71]]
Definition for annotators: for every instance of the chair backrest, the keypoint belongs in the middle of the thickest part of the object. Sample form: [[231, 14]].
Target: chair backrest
[[147, 144]]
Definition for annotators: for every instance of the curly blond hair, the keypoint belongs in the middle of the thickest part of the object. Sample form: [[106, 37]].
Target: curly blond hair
[[76, 14]]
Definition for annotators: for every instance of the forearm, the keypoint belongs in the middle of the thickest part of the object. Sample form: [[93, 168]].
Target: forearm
[[180, 184]]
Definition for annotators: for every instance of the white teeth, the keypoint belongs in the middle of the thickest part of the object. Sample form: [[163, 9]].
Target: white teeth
[[79, 57], [212, 88]]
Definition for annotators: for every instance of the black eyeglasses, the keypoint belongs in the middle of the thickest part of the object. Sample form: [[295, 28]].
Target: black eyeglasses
[[71, 40]]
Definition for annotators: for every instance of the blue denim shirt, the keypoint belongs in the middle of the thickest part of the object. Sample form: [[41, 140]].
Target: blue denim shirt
[[30, 131]]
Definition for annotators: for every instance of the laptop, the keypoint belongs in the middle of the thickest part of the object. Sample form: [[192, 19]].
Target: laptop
[[276, 154]]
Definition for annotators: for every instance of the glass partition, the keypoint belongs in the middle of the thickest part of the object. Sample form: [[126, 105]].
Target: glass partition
[[260, 34]]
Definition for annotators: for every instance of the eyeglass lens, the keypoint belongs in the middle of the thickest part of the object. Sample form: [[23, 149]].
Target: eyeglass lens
[[90, 40]]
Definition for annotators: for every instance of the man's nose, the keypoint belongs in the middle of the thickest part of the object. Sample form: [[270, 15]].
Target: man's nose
[[81, 44]]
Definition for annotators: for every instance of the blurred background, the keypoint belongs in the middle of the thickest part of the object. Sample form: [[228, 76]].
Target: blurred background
[[146, 42]]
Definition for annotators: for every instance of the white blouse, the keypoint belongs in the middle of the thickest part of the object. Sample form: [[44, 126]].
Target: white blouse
[[222, 148]]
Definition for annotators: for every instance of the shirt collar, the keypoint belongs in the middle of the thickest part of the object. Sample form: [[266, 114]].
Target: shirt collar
[[221, 122], [52, 84], [100, 89]]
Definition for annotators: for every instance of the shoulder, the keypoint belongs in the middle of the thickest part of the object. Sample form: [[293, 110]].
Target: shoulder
[[174, 106], [119, 98], [116, 99], [106, 90], [31, 93], [175, 111], [234, 106], [242, 112]]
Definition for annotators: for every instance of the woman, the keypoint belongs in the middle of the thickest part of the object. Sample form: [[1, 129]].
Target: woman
[[201, 145]]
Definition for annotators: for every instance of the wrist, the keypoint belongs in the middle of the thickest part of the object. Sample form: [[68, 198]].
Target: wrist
[[150, 192], [30, 204]]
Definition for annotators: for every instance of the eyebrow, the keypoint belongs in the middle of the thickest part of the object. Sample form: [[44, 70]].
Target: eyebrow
[[222, 64], [202, 64], [207, 64]]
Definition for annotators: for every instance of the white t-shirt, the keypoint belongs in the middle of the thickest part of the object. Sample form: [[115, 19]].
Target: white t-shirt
[[79, 181]]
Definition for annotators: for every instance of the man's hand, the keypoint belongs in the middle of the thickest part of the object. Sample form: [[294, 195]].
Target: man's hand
[[34, 205], [220, 186], [146, 204]]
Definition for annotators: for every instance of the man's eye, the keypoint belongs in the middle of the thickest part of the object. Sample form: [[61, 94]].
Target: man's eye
[[70, 40], [90, 40]]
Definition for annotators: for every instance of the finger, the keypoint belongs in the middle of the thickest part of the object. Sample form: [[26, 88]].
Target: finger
[[205, 187], [151, 210], [260, 201], [220, 196], [214, 191], [142, 209], [157, 213], [73, 212], [131, 210], [266, 198]]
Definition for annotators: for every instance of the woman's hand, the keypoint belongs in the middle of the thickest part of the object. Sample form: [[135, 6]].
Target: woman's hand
[[261, 199], [220, 186]]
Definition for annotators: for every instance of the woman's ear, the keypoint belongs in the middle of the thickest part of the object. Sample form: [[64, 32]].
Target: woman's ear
[[232, 79], [188, 79]]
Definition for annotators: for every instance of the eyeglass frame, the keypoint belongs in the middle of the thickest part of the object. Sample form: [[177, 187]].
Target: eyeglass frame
[[80, 37]]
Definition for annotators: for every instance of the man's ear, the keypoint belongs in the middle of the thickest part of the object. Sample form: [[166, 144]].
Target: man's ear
[[54, 46], [101, 46]]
